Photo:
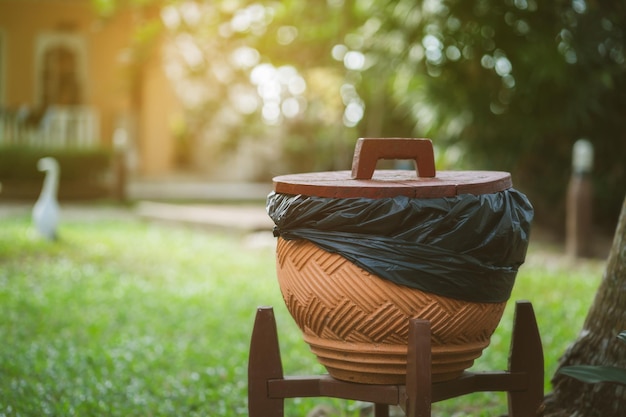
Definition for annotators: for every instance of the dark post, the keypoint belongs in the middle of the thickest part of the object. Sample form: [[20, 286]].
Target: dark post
[[419, 372], [526, 356], [120, 147], [264, 364], [578, 239]]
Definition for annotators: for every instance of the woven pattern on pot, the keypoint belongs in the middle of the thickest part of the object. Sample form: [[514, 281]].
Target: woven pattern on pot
[[333, 298], [357, 324]]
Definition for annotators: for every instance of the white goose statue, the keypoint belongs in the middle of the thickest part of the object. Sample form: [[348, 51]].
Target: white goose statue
[[46, 209]]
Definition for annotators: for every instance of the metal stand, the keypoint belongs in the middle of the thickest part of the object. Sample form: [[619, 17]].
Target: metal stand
[[268, 387]]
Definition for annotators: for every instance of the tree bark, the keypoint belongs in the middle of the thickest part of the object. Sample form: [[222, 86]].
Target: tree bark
[[597, 344]]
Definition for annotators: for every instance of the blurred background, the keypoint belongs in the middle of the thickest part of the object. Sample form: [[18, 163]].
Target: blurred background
[[238, 91]]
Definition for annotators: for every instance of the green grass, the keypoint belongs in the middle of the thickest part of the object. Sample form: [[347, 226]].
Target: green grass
[[124, 318]]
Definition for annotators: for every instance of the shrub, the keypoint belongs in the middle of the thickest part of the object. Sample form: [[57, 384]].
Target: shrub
[[83, 171], [20, 162]]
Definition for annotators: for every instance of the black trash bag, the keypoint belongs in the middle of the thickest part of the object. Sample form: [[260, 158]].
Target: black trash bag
[[467, 247]]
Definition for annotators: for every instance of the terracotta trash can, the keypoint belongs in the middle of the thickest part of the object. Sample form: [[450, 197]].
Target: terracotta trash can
[[361, 253]]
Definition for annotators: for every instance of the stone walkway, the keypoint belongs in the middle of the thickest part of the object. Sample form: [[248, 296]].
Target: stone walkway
[[240, 218], [173, 188], [244, 210], [245, 218], [166, 201]]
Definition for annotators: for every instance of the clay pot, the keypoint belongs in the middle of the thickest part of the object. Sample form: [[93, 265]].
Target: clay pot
[[357, 324]]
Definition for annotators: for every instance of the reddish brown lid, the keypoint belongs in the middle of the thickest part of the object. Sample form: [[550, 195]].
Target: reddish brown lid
[[364, 181]]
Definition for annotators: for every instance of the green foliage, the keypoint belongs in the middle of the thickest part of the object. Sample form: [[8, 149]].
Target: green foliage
[[513, 83], [20, 162], [596, 374]]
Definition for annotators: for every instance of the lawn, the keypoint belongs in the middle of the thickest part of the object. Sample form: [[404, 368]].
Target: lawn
[[128, 318]]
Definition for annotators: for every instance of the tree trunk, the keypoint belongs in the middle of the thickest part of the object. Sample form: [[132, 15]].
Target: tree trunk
[[597, 344]]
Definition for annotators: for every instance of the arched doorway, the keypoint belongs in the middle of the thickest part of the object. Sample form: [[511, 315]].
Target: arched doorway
[[61, 69], [60, 78], [62, 91]]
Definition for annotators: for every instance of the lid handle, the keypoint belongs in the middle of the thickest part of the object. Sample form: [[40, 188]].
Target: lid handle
[[369, 150]]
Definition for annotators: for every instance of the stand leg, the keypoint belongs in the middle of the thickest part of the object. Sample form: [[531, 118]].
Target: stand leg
[[418, 370], [264, 363], [526, 356], [381, 410]]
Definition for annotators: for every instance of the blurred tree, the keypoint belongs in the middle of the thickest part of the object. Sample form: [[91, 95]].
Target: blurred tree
[[257, 77], [513, 83], [507, 85]]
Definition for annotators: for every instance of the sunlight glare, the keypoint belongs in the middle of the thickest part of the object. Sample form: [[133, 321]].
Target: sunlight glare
[[190, 13], [290, 107], [353, 114], [487, 61], [348, 93], [286, 34], [296, 85], [433, 47], [243, 99], [270, 90], [262, 73], [508, 81], [248, 18], [503, 66], [354, 60], [170, 17], [453, 53], [245, 57], [281, 91], [339, 51], [271, 113], [222, 72], [190, 52], [579, 6], [285, 72]]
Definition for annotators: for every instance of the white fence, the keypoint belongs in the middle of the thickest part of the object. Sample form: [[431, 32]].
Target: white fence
[[59, 126]]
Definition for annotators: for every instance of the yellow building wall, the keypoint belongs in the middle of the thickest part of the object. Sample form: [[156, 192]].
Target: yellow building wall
[[159, 104], [109, 87]]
